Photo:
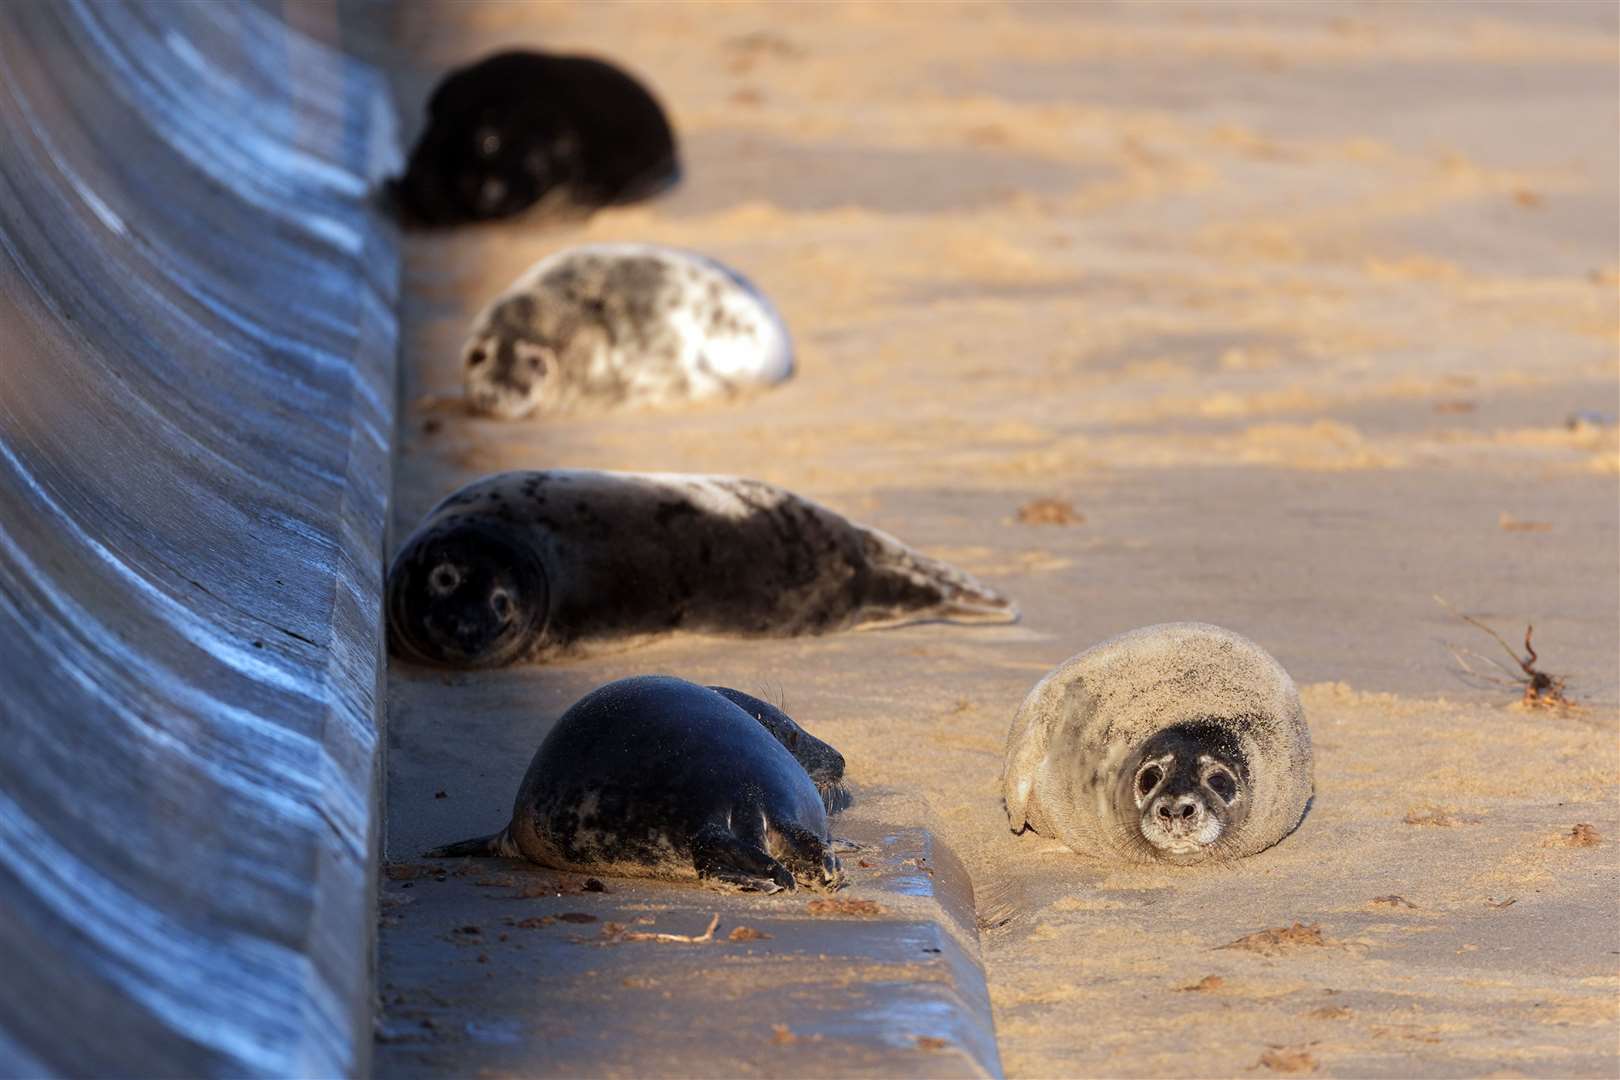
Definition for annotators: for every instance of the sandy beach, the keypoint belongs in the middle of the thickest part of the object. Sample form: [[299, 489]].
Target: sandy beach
[[1307, 312]]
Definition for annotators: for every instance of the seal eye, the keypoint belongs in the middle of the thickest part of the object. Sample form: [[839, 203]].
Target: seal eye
[[1148, 779], [501, 604], [1220, 782], [444, 579]]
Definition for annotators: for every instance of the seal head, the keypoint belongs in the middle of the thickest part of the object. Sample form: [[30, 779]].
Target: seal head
[[1186, 789], [466, 594], [823, 764]]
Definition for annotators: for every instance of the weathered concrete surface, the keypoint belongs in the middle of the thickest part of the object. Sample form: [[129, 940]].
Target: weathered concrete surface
[[196, 363], [496, 965]]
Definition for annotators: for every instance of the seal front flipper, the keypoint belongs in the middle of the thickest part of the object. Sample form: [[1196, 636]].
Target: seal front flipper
[[915, 588], [498, 844], [720, 856], [809, 857]]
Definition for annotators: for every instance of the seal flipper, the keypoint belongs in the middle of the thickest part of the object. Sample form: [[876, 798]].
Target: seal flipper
[[905, 586], [809, 857], [720, 856], [496, 844]]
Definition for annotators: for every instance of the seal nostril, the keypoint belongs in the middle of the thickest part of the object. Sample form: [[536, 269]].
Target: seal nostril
[[1187, 810], [1164, 811], [476, 357]]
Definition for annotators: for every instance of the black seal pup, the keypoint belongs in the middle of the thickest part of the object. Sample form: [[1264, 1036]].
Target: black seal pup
[[525, 565], [657, 777], [512, 128], [605, 326], [1178, 743]]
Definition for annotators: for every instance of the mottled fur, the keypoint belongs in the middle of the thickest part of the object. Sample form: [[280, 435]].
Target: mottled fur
[[1076, 747], [657, 777], [606, 326], [525, 565]]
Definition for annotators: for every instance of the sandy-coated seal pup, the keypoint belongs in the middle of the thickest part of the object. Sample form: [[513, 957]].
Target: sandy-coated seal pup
[[526, 565], [510, 129], [605, 326], [657, 777], [1179, 743]]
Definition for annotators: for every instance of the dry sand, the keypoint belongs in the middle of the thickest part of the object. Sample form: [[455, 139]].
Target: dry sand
[[1291, 304]]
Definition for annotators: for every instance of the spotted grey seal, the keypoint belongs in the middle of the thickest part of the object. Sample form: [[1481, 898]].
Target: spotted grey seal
[[525, 565], [1178, 743], [657, 777], [622, 325], [514, 127]]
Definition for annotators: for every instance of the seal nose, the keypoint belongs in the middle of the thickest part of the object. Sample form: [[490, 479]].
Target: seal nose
[[1180, 814]]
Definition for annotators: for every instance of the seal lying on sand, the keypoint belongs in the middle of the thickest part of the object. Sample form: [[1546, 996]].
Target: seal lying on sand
[[622, 325], [514, 127], [1178, 743], [523, 565], [657, 777]]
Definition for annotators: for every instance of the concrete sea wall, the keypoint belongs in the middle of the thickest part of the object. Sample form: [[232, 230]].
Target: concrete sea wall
[[197, 349]]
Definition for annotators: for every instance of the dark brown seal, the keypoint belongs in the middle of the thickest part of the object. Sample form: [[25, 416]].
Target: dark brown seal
[[524, 565]]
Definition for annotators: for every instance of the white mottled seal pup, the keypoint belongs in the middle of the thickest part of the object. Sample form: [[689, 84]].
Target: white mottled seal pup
[[657, 777], [525, 565], [1178, 743], [518, 126], [604, 326]]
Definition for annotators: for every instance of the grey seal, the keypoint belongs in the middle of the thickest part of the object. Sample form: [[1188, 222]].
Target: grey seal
[[653, 776], [606, 326], [526, 565], [512, 129], [1179, 743]]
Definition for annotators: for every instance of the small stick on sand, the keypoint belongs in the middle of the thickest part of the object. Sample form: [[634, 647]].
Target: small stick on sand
[[678, 939], [1540, 688]]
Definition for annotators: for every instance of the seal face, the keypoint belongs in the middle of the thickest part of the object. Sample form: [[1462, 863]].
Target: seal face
[[604, 326], [466, 594], [517, 126], [1181, 743], [1188, 786], [657, 777], [588, 559]]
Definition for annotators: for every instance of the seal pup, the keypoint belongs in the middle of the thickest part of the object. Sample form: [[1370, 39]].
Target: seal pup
[[1179, 743], [653, 776], [528, 565], [514, 127], [603, 326]]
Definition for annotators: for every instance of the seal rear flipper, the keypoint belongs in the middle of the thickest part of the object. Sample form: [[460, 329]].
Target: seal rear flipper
[[495, 844], [906, 586], [720, 856]]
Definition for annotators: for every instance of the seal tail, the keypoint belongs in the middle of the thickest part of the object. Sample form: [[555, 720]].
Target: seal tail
[[500, 843], [957, 595]]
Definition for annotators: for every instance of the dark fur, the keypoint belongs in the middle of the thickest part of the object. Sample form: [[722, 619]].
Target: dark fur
[[663, 777], [1182, 779], [568, 124], [824, 765], [625, 555]]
